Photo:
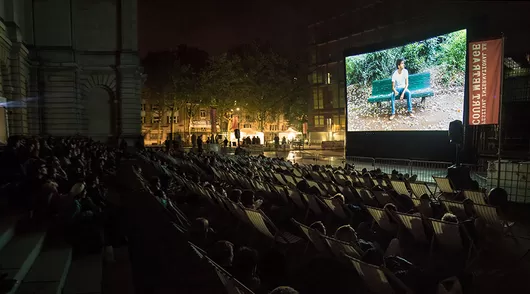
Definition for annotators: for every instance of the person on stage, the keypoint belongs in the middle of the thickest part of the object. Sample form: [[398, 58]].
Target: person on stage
[[400, 84]]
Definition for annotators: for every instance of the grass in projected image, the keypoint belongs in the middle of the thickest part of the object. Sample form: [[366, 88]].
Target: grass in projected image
[[432, 75]]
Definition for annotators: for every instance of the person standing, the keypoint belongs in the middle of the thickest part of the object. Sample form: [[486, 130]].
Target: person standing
[[400, 85]]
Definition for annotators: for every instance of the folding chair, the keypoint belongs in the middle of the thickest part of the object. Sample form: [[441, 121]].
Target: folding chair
[[367, 197], [297, 199], [337, 210], [341, 248], [476, 196], [280, 179], [449, 237], [259, 221], [382, 219], [316, 185], [419, 189], [231, 284], [377, 278], [382, 197], [444, 185], [314, 237], [491, 217], [414, 224], [400, 187], [456, 208]]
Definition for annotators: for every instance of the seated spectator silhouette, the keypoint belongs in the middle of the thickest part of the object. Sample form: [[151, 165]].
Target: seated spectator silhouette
[[80, 216], [347, 234], [319, 227], [248, 200], [198, 232], [245, 268], [235, 195], [222, 252], [283, 290], [450, 218]]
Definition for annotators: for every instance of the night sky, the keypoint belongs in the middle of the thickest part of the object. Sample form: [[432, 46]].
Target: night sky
[[216, 26]]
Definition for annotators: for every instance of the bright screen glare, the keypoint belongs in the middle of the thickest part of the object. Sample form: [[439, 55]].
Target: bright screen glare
[[415, 87]]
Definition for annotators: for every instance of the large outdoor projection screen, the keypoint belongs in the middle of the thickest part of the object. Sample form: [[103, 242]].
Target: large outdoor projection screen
[[429, 73]]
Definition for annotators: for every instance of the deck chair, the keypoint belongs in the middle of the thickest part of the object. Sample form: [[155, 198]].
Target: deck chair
[[290, 180], [281, 192], [231, 284], [313, 204], [259, 221], [367, 197], [448, 236], [414, 224], [348, 193], [382, 219], [456, 208], [341, 248], [400, 187], [314, 237], [316, 176], [297, 172], [337, 210], [382, 197], [419, 189], [316, 185], [377, 278], [491, 217], [476, 196], [444, 185], [297, 198], [330, 188], [280, 179]]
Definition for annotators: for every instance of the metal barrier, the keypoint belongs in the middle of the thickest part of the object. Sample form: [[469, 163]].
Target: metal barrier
[[514, 178]]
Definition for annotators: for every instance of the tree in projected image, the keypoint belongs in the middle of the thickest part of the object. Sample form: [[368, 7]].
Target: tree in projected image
[[447, 52]]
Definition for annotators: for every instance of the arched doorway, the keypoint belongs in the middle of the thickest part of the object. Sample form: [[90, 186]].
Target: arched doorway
[[99, 114]]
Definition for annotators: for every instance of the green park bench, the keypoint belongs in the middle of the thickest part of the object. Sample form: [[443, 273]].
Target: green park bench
[[419, 87]]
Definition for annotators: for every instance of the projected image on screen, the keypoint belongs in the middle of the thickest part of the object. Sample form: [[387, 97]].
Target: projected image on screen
[[419, 86]]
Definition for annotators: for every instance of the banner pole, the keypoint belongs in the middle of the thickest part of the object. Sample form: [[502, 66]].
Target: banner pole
[[499, 147]]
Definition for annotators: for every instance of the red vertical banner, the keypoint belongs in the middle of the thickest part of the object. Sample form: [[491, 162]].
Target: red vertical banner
[[304, 128], [213, 120], [235, 122], [485, 70]]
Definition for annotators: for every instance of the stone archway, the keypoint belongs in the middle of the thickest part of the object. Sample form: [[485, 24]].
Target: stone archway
[[99, 114]]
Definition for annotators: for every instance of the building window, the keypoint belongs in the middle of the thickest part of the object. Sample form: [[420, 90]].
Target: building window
[[247, 126], [339, 121], [168, 119], [143, 119], [274, 128], [203, 113], [314, 77], [329, 78], [319, 121], [154, 107], [318, 98], [155, 119], [143, 106]]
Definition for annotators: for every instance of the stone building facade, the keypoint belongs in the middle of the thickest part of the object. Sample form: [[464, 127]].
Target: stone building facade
[[70, 67]]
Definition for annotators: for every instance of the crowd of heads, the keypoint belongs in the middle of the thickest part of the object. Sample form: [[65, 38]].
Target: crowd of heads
[[59, 180], [381, 243]]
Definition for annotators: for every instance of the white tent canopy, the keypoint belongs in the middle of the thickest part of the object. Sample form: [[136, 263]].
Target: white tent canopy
[[289, 134]]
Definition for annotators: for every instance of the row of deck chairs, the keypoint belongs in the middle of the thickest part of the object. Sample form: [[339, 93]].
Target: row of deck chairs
[[282, 184]]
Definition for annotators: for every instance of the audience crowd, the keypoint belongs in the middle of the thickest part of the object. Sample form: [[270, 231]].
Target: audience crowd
[[251, 217], [60, 182], [264, 223]]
